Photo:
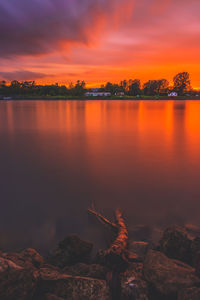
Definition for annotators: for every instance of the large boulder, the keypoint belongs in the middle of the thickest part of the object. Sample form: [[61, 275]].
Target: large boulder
[[195, 254], [189, 294], [139, 248], [167, 275], [175, 243], [70, 287], [16, 282], [28, 258], [81, 269], [193, 230], [133, 286], [70, 251]]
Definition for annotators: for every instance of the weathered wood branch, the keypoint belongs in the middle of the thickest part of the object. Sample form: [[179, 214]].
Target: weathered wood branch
[[120, 243], [116, 255], [103, 220]]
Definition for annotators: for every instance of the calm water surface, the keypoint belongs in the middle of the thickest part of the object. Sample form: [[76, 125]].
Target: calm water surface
[[57, 157]]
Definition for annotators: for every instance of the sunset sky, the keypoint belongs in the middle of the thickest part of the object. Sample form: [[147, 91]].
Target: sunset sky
[[99, 40]]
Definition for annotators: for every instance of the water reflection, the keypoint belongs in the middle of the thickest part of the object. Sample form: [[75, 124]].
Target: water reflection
[[57, 157]]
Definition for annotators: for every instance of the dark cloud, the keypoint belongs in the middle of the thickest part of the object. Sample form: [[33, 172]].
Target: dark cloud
[[40, 26], [21, 75]]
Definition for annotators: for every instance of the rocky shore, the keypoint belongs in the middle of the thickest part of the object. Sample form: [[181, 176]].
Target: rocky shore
[[169, 269]]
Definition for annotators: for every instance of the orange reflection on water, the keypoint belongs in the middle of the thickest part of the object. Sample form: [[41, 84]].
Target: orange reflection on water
[[58, 156]]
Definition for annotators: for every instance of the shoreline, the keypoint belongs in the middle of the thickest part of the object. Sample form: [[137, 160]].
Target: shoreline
[[60, 98], [168, 269]]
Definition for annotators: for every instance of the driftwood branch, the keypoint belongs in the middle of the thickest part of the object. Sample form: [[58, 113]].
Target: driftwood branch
[[103, 220], [120, 243], [116, 255]]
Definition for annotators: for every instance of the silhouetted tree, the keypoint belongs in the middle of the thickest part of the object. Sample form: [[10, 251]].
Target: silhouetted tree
[[182, 83], [162, 86], [156, 87], [112, 88], [79, 88], [134, 87], [3, 87], [150, 88], [130, 87], [124, 86]]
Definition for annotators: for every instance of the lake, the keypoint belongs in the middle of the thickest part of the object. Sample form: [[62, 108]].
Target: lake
[[58, 157]]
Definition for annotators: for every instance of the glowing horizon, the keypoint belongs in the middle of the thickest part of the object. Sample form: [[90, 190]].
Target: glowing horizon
[[97, 41]]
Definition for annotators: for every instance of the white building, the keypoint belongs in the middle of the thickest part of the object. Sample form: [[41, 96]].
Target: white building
[[173, 94], [97, 94], [121, 94]]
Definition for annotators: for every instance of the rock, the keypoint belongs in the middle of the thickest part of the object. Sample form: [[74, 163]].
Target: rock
[[27, 258], [195, 254], [70, 287], [167, 275], [6, 265], [70, 251], [133, 286], [16, 282], [52, 297], [175, 243], [94, 270], [132, 257], [192, 230], [139, 248], [189, 294], [32, 256], [137, 267]]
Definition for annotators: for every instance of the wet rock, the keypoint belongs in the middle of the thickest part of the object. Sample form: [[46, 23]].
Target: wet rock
[[189, 294], [32, 256], [132, 256], [27, 258], [133, 286], [139, 248], [94, 270], [71, 287], [195, 254], [137, 267], [167, 275], [192, 230], [51, 297], [16, 282], [176, 243], [70, 251]]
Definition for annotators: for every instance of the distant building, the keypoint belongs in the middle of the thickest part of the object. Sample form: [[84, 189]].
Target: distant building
[[97, 94], [173, 94], [7, 98], [120, 94], [95, 90]]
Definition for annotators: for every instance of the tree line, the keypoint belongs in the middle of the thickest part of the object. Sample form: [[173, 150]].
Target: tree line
[[132, 87]]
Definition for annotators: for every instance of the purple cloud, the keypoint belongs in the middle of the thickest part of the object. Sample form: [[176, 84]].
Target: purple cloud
[[39, 26], [21, 75]]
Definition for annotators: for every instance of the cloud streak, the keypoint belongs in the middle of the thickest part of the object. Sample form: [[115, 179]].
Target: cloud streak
[[21, 75], [42, 26], [99, 40]]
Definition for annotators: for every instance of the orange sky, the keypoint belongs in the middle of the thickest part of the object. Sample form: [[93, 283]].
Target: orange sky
[[99, 42]]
